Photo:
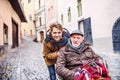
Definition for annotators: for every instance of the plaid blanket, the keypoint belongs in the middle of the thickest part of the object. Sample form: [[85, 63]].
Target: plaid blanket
[[92, 70]]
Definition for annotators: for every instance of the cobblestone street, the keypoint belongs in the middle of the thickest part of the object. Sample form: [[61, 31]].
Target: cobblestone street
[[24, 63], [113, 61], [102, 47]]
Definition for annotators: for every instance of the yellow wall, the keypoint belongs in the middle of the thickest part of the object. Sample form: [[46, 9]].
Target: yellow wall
[[28, 9]]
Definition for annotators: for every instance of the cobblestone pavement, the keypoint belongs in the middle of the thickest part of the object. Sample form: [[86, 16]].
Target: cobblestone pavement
[[113, 61], [24, 63]]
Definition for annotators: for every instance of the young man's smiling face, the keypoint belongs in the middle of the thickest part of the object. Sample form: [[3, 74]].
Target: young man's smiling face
[[56, 34]]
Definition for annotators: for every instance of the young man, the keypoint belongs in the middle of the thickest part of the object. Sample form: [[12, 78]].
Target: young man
[[73, 56], [52, 44]]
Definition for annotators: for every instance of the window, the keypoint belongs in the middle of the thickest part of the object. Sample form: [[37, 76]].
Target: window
[[40, 21], [30, 17], [29, 1], [62, 20], [79, 7], [39, 3], [22, 5], [5, 36], [20, 0], [24, 32], [31, 33], [69, 14]]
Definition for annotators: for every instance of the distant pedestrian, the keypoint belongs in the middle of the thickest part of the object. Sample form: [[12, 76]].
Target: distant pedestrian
[[55, 40]]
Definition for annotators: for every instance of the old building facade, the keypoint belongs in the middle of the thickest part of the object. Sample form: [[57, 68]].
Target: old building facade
[[40, 23], [11, 16], [51, 12], [95, 18], [28, 29]]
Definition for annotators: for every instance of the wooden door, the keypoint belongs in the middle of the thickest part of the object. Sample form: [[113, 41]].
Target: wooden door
[[41, 36], [14, 35], [88, 31]]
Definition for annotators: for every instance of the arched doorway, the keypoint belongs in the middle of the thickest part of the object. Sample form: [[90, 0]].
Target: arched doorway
[[116, 36], [41, 36]]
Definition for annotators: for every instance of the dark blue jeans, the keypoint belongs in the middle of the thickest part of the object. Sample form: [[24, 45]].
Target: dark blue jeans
[[52, 72]]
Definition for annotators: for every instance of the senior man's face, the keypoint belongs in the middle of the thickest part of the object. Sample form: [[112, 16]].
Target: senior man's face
[[76, 39], [56, 34]]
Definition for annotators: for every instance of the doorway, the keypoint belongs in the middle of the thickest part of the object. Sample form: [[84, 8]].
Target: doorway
[[116, 36], [5, 34], [14, 35], [85, 26], [41, 36]]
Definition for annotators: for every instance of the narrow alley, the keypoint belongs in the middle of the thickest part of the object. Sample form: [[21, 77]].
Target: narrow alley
[[24, 63]]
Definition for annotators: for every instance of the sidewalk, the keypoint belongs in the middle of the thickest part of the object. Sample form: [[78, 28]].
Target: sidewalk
[[103, 48], [24, 63]]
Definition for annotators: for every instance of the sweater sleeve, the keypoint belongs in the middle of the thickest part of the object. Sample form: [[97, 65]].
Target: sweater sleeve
[[61, 69], [48, 53]]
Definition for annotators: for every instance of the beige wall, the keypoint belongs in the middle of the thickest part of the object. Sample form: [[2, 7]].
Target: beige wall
[[40, 14], [1, 31], [28, 10], [6, 15], [103, 14], [63, 6], [51, 12]]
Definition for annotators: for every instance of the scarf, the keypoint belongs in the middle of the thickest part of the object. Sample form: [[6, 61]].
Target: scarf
[[61, 43], [79, 48]]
